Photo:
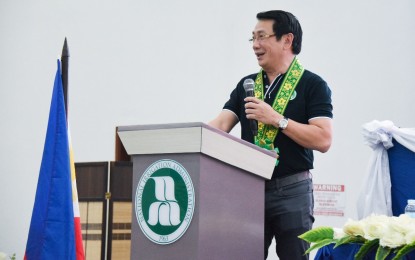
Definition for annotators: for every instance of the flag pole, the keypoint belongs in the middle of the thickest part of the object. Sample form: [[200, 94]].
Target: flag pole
[[65, 69], [80, 254]]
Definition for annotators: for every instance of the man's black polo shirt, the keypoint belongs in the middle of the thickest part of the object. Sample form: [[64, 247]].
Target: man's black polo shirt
[[311, 99]]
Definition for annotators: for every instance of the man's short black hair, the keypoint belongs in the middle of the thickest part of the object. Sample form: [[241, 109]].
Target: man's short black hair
[[284, 23]]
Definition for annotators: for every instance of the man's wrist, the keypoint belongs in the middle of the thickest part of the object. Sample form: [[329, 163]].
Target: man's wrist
[[283, 123]]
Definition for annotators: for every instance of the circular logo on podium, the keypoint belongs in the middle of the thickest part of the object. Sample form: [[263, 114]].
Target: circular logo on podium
[[164, 201]]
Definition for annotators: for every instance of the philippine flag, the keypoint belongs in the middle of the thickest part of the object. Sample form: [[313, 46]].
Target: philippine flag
[[55, 229]]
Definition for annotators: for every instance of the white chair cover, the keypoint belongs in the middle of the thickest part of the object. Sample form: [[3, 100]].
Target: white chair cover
[[375, 196]]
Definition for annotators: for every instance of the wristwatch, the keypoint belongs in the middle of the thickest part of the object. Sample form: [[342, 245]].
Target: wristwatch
[[283, 123]]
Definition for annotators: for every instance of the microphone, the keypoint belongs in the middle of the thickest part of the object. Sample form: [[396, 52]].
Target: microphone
[[249, 90]]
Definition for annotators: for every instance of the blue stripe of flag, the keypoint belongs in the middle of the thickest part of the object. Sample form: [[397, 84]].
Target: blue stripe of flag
[[51, 233]]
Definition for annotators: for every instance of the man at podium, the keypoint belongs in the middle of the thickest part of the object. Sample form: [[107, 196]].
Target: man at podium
[[285, 108]]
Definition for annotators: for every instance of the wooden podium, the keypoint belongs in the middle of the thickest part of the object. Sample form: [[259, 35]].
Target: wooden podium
[[198, 193]]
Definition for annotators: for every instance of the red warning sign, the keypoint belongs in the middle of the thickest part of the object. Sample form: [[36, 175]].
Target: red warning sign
[[329, 200]]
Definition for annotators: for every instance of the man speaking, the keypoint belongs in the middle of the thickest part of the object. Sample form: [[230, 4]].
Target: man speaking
[[293, 112]]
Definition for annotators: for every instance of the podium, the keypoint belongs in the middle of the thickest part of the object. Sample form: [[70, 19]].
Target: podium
[[198, 193]]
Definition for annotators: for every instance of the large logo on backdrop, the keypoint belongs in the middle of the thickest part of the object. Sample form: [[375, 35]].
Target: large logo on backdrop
[[164, 201]]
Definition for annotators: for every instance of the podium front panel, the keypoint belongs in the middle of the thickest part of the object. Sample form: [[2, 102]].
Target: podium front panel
[[228, 216]]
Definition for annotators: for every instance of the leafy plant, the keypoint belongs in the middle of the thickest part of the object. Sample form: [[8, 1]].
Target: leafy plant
[[385, 234]]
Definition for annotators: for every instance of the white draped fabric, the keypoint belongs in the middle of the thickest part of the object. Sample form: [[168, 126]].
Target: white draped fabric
[[375, 196]]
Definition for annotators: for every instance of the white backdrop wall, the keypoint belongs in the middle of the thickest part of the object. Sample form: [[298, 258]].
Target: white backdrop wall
[[159, 61]]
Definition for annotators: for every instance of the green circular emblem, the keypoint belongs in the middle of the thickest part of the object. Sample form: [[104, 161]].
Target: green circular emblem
[[164, 201], [294, 95]]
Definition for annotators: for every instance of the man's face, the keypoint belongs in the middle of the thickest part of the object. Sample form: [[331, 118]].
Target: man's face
[[266, 47]]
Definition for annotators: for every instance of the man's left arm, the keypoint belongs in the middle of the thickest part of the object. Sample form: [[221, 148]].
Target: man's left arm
[[316, 135]]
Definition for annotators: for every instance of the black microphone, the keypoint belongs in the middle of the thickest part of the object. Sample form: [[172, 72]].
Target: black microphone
[[249, 85]]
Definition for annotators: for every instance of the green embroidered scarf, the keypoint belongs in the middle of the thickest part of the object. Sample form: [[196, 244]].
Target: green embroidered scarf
[[267, 133]]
